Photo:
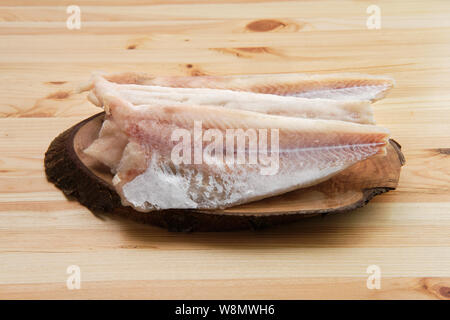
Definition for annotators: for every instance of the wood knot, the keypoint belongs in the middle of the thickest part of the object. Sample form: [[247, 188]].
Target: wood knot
[[247, 52], [445, 151], [255, 49], [445, 292], [437, 287], [59, 95], [134, 43], [265, 25], [193, 70], [197, 73], [56, 82]]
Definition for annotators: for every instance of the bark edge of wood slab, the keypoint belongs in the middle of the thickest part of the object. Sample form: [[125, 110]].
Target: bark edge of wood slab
[[88, 182]]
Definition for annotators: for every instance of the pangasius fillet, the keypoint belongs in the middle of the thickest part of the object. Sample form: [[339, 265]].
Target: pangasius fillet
[[354, 111], [111, 138], [207, 157], [331, 86]]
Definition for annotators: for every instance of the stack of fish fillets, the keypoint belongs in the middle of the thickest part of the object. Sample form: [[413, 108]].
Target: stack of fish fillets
[[211, 142]]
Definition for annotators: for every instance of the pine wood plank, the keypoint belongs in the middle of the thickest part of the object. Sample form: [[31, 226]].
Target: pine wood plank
[[405, 232]]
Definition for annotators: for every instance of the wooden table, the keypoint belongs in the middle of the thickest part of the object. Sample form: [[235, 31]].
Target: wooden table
[[406, 233]]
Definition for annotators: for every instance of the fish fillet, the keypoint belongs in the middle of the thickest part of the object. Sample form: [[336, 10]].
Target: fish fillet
[[308, 152], [108, 147], [354, 111], [334, 86]]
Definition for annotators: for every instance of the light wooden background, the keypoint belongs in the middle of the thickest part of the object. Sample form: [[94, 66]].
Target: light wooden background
[[406, 232]]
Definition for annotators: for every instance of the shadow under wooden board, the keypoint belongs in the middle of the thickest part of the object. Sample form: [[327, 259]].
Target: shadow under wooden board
[[90, 182]]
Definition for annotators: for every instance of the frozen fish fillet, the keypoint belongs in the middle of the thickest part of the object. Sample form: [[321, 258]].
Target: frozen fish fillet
[[299, 153], [354, 111], [345, 86]]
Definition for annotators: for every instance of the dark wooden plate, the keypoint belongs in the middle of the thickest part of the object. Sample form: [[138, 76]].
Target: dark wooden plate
[[86, 180]]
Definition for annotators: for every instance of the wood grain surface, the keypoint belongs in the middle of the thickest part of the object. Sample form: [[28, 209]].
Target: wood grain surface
[[405, 232]]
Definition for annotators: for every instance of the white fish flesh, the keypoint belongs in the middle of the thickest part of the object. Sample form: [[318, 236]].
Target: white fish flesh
[[344, 86], [309, 151], [354, 111]]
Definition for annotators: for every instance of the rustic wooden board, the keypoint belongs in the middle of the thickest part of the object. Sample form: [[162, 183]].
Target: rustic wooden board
[[405, 232], [87, 180]]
